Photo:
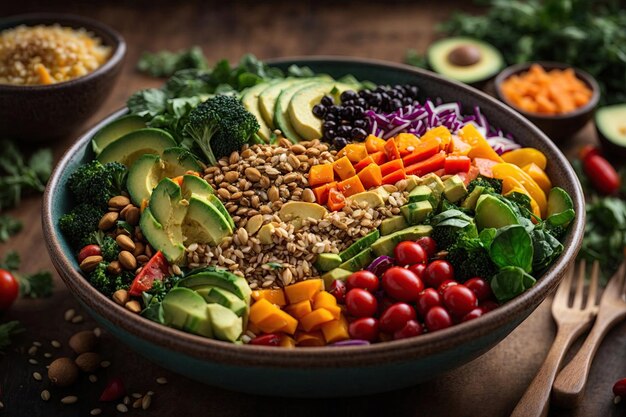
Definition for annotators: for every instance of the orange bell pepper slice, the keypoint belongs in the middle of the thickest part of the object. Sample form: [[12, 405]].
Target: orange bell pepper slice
[[391, 166], [379, 157], [363, 163], [391, 149], [421, 152], [431, 164]]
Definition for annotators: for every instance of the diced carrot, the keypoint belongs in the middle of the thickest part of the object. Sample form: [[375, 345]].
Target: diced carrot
[[391, 149], [321, 192], [371, 176], [363, 163], [391, 166], [423, 151], [351, 186], [433, 163], [374, 144], [336, 200], [454, 164], [321, 174], [379, 157], [406, 143], [343, 168], [394, 177], [484, 166], [355, 152]]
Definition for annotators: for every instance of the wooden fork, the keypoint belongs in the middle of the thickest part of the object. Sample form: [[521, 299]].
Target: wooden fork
[[569, 386], [571, 323]]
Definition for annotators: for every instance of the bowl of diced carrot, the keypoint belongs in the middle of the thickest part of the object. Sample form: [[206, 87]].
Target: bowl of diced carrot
[[557, 98]]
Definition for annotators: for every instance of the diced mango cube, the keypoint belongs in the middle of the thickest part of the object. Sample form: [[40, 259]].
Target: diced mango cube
[[274, 296], [327, 301], [299, 310], [312, 339], [287, 342], [303, 290], [315, 319], [336, 330]]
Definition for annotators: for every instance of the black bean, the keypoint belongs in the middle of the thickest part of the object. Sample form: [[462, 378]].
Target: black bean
[[358, 134], [361, 102], [340, 142], [330, 134], [358, 112], [334, 110], [348, 95], [330, 117], [329, 124], [408, 100], [344, 130], [319, 110], [360, 123], [396, 104], [327, 101], [347, 113]]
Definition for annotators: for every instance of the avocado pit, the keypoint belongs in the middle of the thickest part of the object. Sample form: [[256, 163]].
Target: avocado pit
[[464, 55]]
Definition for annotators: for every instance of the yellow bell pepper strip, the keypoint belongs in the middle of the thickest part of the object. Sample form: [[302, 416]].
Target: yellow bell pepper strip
[[524, 156], [480, 146], [539, 175], [503, 170]]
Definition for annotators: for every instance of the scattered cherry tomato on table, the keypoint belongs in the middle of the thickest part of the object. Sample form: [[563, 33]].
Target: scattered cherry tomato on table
[[113, 390], [9, 289], [410, 253], [600, 171], [619, 389]]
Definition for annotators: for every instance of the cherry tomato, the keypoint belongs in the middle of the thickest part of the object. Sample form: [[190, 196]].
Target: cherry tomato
[[588, 150], [270, 339], [437, 318], [89, 250], [113, 390], [437, 272], [395, 317], [601, 174], [363, 279], [361, 303], [412, 328], [445, 285], [429, 245], [474, 314], [9, 289], [338, 290], [480, 287], [488, 306], [619, 389], [410, 253], [365, 328], [459, 300], [428, 299], [418, 269], [156, 268], [402, 284]]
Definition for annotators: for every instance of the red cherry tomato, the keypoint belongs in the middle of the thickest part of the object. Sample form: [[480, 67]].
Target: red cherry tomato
[[113, 390], [410, 253], [156, 268], [363, 279], [402, 284], [89, 250], [338, 290], [270, 339], [395, 317], [459, 300], [488, 306], [428, 299], [437, 318], [619, 389], [418, 269], [445, 285], [480, 287], [412, 328], [588, 150], [437, 272], [429, 245], [474, 314], [361, 303], [9, 289], [601, 174], [365, 328]]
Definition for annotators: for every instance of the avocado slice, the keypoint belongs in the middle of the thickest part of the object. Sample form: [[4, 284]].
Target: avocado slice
[[282, 120], [491, 212], [464, 59], [225, 298], [204, 222], [165, 204], [559, 201], [392, 224], [226, 325], [327, 261], [139, 142], [115, 130], [178, 161], [472, 198], [433, 182], [359, 261], [218, 278], [250, 100], [415, 213], [336, 274], [159, 238], [386, 244], [420, 193], [268, 97], [454, 189], [611, 127], [197, 186], [186, 310], [359, 245]]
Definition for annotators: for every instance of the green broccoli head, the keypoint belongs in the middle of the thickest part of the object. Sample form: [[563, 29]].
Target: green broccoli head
[[100, 279], [220, 126], [471, 262], [451, 226], [123, 281], [95, 183], [79, 224], [493, 185], [110, 249]]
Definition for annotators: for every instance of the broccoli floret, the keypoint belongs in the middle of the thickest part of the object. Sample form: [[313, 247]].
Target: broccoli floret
[[472, 262], [493, 185], [220, 126], [123, 281], [450, 226], [446, 236], [110, 249], [95, 183], [100, 279], [78, 224]]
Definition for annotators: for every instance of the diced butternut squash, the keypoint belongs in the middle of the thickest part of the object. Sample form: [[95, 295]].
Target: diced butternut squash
[[355, 152], [312, 339], [406, 143], [304, 290], [351, 186], [371, 176], [287, 342], [391, 150], [539, 175], [321, 174], [299, 310], [315, 319], [374, 144], [480, 146], [269, 318], [336, 330], [379, 157], [363, 163], [343, 168], [441, 133], [327, 301], [274, 296]]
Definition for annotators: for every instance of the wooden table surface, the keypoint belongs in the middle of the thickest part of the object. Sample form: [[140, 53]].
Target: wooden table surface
[[487, 387]]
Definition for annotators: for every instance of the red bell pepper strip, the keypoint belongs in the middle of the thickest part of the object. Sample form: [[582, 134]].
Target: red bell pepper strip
[[391, 149], [421, 152], [391, 166], [156, 269], [336, 200], [456, 164], [379, 158], [394, 177], [432, 164]]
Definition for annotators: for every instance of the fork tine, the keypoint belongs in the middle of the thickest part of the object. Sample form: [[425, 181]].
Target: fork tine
[[593, 286], [562, 293], [617, 280], [580, 285]]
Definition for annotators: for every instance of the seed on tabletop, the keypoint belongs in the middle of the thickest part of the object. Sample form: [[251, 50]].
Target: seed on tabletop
[[70, 399], [69, 314], [45, 395], [63, 372], [55, 344]]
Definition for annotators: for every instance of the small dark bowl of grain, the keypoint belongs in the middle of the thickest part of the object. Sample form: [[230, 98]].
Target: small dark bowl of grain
[[56, 70]]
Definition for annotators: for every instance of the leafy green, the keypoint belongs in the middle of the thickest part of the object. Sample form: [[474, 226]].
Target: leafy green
[[510, 282], [491, 185], [166, 63], [512, 246], [9, 226], [546, 248], [585, 34], [11, 261], [7, 330]]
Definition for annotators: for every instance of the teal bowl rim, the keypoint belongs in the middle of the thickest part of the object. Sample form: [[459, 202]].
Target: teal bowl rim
[[319, 357]]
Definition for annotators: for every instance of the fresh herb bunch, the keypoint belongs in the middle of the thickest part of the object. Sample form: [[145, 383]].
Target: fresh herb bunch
[[9, 226], [586, 34], [19, 176], [35, 285], [166, 63], [7, 330]]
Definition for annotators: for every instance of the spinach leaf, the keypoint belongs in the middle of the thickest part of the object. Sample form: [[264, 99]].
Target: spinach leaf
[[510, 282], [166, 63], [546, 249], [512, 246]]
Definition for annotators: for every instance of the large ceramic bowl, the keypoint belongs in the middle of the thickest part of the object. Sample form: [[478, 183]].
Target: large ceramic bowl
[[317, 372], [46, 112]]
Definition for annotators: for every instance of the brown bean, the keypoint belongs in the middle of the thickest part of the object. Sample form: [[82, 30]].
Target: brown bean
[[125, 243], [127, 260], [63, 372], [88, 361], [119, 202], [121, 297], [108, 220], [84, 341], [132, 216], [114, 268], [90, 263]]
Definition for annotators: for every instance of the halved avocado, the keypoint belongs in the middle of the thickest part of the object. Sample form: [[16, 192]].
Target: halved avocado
[[204, 223], [464, 59], [250, 101], [268, 97], [178, 161], [491, 212], [159, 238], [115, 130], [282, 120], [186, 310], [219, 278], [611, 127], [140, 142]]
